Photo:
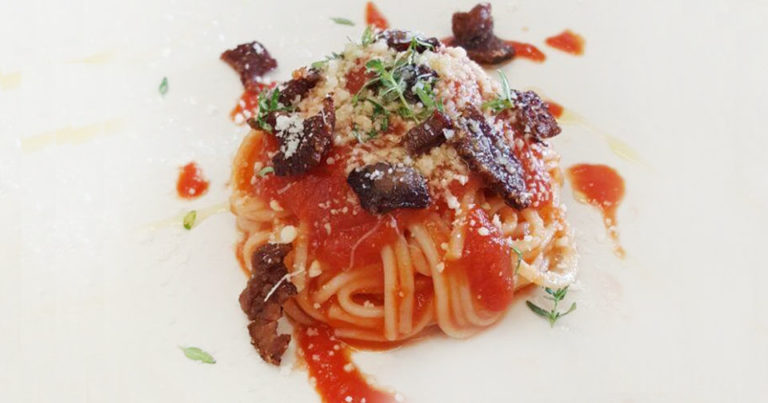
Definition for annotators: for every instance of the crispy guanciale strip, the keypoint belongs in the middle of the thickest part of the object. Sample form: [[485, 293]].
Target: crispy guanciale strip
[[473, 31], [532, 116], [250, 60], [263, 299], [487, 154], [401, 40], [295, 89], [303, 143], [383, 187], [429, 134]]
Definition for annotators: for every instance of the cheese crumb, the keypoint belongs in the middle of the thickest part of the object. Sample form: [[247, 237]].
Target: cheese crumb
[[440, 267], [274, 205], [348, 367], [483, 231], [314, 269], [288, 234]]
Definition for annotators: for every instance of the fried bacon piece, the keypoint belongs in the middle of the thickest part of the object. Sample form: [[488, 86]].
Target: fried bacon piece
[[429, 134], [250, 60], [412, 74], [263, 298], [473, 31], [383, 187], [532, 117], [401, 40], [303, 143], [295, 89], [487, 154]]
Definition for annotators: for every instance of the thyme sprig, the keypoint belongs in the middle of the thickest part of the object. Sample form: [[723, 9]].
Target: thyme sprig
[[505, 100], [552, 315], [269, 101]]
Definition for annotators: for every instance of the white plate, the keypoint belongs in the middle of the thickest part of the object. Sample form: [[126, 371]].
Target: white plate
[[94, 301]]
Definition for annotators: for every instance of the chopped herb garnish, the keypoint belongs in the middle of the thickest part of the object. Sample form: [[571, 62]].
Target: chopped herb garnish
[[342, 21], [552, 316], [321, 63], [519, 258], [266, 171], [504, 101], [423, 90], [391, 82], [269, 102], [189, 219], [368, 36], [163, 88], [196, 354]]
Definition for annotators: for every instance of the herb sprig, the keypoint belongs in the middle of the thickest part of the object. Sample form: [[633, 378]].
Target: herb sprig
[[321, 63], [163, 88], [552, 315], [189, 219], [269, 102], [519, 258], [505, 99], [196, 354], [369, 36], [342, 21]]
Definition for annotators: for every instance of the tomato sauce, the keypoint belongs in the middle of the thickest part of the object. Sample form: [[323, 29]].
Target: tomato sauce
[[555, 109], [527, 51], [568, 42], [602, 187], [191, 184], [538, 181], [356, 79], [335, 377], [374, 17], [487, 262]]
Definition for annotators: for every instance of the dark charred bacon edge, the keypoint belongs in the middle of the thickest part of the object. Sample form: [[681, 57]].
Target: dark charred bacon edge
[[487, 154], [314, 143], [427, 135], [473, 31], [295, 89], [532, 116], [252, 61], [383, 187], [400, 40], [263, 312]]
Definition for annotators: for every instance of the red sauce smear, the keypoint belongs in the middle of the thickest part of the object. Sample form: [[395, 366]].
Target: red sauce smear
[[374, 17], [555, 109], [528, 51], [602, 187], [568, 42], [336, 379], [249, 101], [191, 183]]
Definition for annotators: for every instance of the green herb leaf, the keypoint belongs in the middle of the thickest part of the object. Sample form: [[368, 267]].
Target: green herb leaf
[[504, 100], [163, 88], [519, 258], [368, 36], [189, 219], [553, 315], [265, 171], [342, 21], [196, 354]]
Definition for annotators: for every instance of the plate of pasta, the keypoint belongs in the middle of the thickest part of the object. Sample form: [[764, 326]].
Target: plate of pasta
[[379, 202]]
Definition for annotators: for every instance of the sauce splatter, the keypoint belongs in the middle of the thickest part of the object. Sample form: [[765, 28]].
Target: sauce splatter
[[334, 375], [555, 109], [191, 183], [528, 51], [602, 187], [568, 42], [374, 17]]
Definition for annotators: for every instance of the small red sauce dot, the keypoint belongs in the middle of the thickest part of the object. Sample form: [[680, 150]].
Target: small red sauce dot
[[555, 109], [191, 183], [527, 51], [568, 42]]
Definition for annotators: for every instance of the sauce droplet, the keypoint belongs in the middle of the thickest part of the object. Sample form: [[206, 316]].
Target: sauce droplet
[[555, 109], [336, 378], [568, 42], [527, 51], [191, 183], [248, 104], [374, 17], [602, 187]]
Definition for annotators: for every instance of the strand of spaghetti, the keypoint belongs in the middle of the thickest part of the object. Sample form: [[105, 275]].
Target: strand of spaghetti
[[471, 310], [390, 285], [457, 309], [254, 241], [361, 285], [300, 256], [406, 284], [330, 288], [417, 257], [335, 312], [304, 301], [295, 312], [360, 334], [549, 278]]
